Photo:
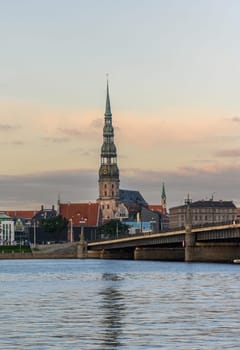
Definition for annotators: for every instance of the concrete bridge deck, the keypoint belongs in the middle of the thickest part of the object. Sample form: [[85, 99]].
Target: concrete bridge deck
[[215, 243]]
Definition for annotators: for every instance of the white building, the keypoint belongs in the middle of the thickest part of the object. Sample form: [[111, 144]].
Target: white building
[[7, 233]]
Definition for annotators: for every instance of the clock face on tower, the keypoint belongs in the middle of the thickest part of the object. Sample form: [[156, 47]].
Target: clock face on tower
[[105, 171]]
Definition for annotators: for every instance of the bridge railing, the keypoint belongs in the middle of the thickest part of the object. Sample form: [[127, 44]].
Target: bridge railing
[[105, 237]]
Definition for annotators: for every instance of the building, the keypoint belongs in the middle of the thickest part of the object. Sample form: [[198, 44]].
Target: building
[[7, 234], [204, 212], [114, 203], [28, 224], [87, 215], [108, 173], [22, 223]]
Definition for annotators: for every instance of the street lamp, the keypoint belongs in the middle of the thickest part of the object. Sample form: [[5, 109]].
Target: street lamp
[[82, 223], [34, 234], [82, 251], [71, 229]]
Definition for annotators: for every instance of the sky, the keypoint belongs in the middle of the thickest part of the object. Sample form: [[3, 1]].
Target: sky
[[174, 78]]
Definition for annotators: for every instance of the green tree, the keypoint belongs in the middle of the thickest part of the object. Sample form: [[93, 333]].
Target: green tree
[[56, 226], [113, 228]]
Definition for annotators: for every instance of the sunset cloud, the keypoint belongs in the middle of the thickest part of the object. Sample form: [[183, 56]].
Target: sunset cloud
[[236, 119], [56, 139], [71, 132], [8, 127], [231, 153]]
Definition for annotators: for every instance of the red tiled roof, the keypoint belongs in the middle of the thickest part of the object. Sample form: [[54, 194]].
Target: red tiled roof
[[81, 211], [27, 214], [156, 207]]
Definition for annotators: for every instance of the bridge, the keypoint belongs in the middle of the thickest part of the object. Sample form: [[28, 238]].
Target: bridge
[[215, 243]]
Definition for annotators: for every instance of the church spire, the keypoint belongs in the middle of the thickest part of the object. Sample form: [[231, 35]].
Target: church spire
[[108, 106], [108, 172], [164, 198]]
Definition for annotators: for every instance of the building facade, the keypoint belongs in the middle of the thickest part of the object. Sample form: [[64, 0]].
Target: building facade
[[7, 235], [205, 212]]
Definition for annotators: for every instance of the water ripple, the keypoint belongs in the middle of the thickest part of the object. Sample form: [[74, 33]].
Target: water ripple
[[97, 304]]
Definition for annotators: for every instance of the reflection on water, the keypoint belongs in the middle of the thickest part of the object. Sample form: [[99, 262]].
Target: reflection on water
[[104, 304], [112, 307]]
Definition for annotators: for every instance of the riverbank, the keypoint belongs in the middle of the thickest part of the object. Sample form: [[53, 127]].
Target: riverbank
[[52, 251]]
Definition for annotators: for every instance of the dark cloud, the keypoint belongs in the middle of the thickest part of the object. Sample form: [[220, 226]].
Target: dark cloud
[[235, 153], [198, 183], [30, 191]]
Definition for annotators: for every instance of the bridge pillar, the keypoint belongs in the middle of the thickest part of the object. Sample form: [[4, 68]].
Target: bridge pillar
[[81, 250], [189, 235]]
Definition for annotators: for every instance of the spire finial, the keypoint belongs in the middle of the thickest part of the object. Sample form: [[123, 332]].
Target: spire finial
[[108, 107]]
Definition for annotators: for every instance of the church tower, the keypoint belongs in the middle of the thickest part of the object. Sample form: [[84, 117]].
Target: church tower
[[164, 200], [108, 173]]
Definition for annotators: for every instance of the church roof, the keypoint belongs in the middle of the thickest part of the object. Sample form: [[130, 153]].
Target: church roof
[[156, 207], [130, 197]]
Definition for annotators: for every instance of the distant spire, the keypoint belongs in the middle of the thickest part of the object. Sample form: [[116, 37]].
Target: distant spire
[[108, 106], [164, 199], [163, 192], [58, 204]]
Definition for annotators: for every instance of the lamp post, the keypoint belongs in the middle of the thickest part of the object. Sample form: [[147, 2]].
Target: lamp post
[[82, 224], [34, 234], [189, 242], [82, 245], [71, 229]]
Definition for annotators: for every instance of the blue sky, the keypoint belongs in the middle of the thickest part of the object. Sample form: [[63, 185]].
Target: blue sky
[[174, 81]]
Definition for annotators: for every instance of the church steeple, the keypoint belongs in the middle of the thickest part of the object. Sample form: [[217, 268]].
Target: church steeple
[[108, 112], [163, 199], [108, 172]]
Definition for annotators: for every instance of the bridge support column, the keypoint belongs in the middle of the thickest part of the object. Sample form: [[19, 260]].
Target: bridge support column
[[81, 250], [189, 243]]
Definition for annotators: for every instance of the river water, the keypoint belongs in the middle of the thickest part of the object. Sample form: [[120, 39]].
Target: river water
[[111, 304]]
